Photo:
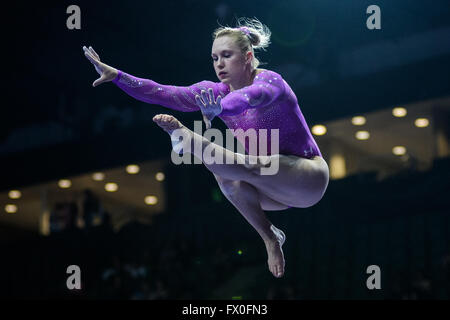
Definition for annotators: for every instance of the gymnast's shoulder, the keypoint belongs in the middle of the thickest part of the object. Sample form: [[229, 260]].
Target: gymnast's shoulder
[[268, 77]]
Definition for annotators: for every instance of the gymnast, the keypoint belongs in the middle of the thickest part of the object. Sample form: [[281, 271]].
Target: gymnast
[[246, 97]]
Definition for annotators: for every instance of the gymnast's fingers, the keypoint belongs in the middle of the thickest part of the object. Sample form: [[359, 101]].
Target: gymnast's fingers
[[219, 100], [94, 53], [90, 57], [211, 95], [199, 101], [205, 97]]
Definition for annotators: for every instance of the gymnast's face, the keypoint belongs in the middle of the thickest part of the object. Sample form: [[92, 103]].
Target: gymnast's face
[[230, 64]]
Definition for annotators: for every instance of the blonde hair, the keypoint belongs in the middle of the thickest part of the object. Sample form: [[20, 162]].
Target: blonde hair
[[258, 36]]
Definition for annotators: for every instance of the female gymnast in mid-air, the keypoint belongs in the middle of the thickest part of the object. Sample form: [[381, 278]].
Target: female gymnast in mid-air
[[247, 98]]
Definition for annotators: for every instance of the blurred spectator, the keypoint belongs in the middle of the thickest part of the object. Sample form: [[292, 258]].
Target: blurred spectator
[[410, 162], [56, 218], [63, 217], [72, 216], [106, 221], [92, 209]]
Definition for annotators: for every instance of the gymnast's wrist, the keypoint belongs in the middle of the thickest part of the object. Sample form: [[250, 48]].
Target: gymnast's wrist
[[117, 75]]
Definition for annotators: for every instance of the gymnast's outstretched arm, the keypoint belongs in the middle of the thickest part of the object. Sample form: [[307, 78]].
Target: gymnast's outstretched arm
[[173, 97]]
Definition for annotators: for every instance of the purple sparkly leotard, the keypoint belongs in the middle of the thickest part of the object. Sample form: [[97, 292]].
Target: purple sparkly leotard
[[269, 103]]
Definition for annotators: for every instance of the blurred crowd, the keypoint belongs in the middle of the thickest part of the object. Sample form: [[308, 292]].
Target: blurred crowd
[[69, 215]]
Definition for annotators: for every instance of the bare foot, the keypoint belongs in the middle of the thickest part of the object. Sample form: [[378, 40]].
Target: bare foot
[[275, 253], [169, 124]]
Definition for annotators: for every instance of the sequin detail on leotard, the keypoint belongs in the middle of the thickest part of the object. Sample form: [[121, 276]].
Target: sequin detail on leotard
[[269, 103]]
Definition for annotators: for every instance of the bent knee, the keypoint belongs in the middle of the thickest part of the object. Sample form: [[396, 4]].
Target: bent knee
[[308, 197], [312, 199], [318, 186]]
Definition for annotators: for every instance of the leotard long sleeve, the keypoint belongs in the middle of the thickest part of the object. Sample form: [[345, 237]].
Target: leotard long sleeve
[[269, 103]]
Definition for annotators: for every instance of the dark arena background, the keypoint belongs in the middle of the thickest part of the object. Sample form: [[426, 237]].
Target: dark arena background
[[88, 186]]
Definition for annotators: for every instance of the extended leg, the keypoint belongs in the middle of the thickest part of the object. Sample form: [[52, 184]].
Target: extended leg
[[234, 166]]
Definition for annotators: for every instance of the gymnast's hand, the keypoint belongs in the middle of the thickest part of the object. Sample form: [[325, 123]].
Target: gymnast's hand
[[106, 72], [209, 107]]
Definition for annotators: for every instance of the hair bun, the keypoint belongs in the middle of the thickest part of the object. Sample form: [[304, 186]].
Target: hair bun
[[258, 33], [254, 39]]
